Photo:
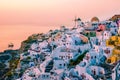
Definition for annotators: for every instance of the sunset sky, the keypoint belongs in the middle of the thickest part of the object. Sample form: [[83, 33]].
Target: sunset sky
[[54, 12], [18, 18]]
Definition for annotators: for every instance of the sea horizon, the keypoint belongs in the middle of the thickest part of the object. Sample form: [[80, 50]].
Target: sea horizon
[[17, 33]]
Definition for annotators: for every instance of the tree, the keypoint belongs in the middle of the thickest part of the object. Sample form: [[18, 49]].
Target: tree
[[78, 60], [2, 66]]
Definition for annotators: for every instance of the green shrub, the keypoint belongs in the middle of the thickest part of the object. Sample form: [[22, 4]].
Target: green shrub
[[78, 60], [2, 65]]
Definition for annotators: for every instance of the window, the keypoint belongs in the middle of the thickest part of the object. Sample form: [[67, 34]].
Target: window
[[94, 72], [64, 64], [43, 76], [105, 34], [115, 30], [107, 51], [61, 57], [87, 57], [109, 61], [91, 57], [69, 57], [95, 57], [60, 64], [47, 76]]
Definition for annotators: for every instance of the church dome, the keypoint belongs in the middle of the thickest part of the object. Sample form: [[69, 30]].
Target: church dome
[[95, 19]]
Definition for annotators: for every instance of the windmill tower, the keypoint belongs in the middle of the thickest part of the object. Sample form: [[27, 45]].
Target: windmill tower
[[75, 20]]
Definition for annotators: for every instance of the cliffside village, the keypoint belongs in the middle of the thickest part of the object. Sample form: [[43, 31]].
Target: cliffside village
[[88, 51]]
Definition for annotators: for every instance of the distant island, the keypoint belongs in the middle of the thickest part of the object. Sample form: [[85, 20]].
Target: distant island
[[88, 51]]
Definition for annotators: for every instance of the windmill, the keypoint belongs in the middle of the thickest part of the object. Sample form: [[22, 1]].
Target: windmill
[[77, 22]]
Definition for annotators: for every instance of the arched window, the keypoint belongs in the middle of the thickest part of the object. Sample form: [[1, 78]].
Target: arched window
[[64, 64], [91, 57], [60, 64], [95, 57], [94, 72], [105, 34]]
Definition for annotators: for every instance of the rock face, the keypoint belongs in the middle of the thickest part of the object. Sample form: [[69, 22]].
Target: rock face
[[114, 18], [25, 45], [8, 62]]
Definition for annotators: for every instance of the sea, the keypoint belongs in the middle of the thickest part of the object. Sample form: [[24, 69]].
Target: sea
[[17, 33]]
